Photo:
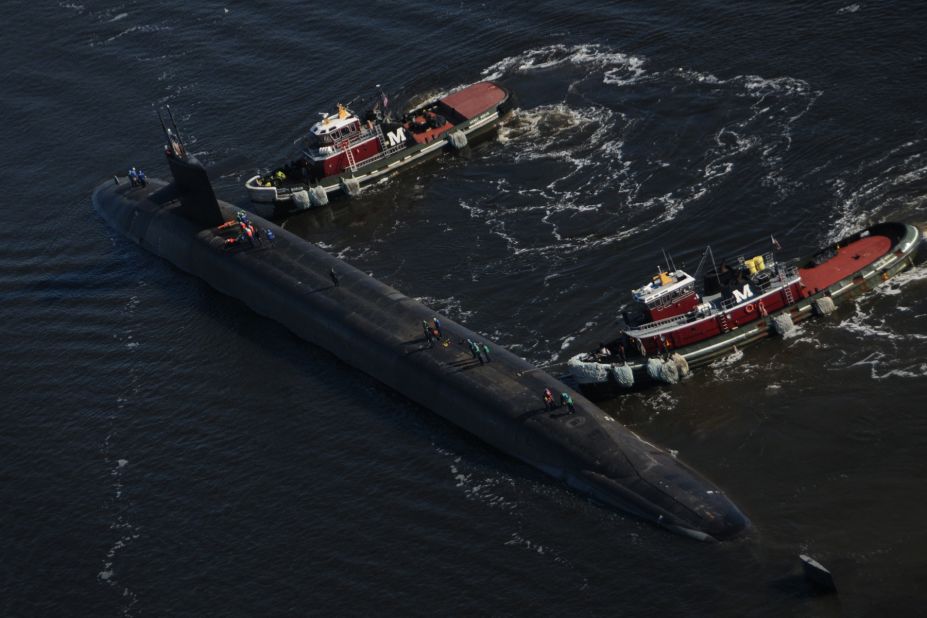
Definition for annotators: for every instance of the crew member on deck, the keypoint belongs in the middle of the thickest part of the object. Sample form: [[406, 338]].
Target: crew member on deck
[[240, 219], [246, 229], [548, 399], [566, 400], [428, 336], [473, 349]]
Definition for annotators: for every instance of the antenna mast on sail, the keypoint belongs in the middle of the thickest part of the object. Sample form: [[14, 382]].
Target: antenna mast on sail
[[175, 143]]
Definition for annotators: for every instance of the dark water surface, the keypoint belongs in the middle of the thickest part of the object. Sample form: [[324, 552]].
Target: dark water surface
[[165, 451]]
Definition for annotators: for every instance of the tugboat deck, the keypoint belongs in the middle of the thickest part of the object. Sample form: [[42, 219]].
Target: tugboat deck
[[848, 260], [430, 134], [475, 100]]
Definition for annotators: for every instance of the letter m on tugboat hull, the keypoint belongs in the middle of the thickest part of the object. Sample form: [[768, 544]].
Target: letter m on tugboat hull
[[396, 137], [742, 295]]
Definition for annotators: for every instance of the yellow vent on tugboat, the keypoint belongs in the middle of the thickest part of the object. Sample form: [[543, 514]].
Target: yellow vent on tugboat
[[755, 264]]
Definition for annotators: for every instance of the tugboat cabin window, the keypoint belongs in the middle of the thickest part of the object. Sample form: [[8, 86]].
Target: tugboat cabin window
[[316, 141], [668, 299]]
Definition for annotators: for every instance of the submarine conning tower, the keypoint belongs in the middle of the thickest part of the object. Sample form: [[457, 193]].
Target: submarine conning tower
[[197, 198], [379, 330]]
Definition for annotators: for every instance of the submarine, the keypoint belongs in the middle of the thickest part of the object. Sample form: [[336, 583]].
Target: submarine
[[379, 330]]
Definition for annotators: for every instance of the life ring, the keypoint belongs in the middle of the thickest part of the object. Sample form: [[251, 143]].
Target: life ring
[[749, 308], [762, 309]]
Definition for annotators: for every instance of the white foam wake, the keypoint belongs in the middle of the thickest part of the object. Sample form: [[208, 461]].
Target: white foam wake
[[585, 146]]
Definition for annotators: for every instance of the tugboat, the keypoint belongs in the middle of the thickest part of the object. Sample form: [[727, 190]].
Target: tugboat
[[674, 326], [344, 152]]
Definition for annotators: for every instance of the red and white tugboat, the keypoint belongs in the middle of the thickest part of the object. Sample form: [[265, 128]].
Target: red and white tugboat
[[677, 326], [343, 152]]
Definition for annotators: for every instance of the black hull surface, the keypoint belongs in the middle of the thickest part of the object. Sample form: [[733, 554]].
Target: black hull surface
[[378, 330]]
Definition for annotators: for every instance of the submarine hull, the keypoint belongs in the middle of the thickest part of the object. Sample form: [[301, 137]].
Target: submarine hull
[[378, 330]]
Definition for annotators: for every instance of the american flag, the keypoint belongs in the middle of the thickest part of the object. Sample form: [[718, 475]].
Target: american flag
[[384, 100]]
